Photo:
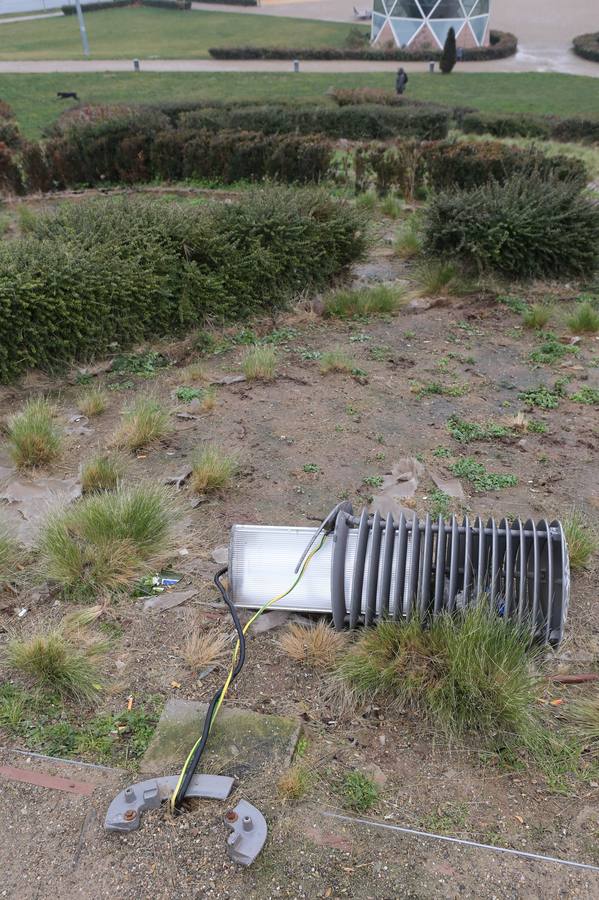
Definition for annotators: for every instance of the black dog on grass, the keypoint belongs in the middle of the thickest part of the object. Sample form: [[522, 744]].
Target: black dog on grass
[[67, 95]]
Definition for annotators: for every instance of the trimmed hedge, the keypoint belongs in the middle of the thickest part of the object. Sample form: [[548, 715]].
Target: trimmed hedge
[[71, 9], [525, 227], [503, 44], [412, 167], [103, 155], [125, 270], [11, 181], [576, 129], [351, 122], [587, 46]]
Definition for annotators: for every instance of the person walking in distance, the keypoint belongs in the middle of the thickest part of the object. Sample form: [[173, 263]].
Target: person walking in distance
[[401, 80]]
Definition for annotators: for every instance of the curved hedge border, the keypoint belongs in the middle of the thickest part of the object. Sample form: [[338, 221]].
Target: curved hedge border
[[587, 46], [71, 9], [503, 44]]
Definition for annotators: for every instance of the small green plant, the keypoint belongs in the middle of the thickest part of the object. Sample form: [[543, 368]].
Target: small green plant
[[441, 452], [33, 436], [468, 672], [382, 299], [55, 662], [260, 363], [516, 304], [375, 481], [479, 478], [534, 426], [581, 538], [187, 394], [551, 351], [585, 320], [145, 364], [359, 791], [92, 401], [98, 545], [541, 397], [336, 361], [439, 504], [536, 316], [211, 469], [586, 395], [13, 707], [436, 389], [367, 201], [466, 432], [311, 469], [145, 421], [102, 473]]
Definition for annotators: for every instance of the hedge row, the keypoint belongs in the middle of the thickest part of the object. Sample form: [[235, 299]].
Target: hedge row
[[412, 168], [121, 158], [577, 129], [120, 271], [351, 122], [587, 46], [71, 9], [502, 45], [527, 227]]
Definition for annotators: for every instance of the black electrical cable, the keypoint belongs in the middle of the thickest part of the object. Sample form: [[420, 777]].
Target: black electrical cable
[[197, 754]]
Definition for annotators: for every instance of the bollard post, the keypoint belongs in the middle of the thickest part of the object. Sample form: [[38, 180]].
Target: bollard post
[[296, 65], [136, 65], [431, 67]]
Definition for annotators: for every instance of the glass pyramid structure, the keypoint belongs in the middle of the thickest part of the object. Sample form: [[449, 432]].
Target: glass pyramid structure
[[422, 23]]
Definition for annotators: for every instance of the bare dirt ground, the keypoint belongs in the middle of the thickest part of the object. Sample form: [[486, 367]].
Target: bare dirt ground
[[351, 428]]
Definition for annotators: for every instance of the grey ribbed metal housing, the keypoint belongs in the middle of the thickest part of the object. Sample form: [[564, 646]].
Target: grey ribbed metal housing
[[403, 568], [373, 567]]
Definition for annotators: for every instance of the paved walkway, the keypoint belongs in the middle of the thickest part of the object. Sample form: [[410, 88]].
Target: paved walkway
[[521, 64], [10, 20]]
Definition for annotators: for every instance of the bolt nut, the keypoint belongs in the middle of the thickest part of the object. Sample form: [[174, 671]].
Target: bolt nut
[[231, 815], [129, 815]]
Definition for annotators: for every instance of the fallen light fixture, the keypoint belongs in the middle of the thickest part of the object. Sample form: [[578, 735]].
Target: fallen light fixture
[[373, 567]]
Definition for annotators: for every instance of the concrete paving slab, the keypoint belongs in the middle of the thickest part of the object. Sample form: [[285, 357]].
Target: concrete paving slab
[[242, 742]]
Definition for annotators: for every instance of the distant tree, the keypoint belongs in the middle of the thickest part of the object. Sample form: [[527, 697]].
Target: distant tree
[[450, 53]]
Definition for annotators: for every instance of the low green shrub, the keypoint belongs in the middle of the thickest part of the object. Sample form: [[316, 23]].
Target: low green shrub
[[526, 227], [413, 167], [145, 268], [11, 181], [503, 125], [69, 9], [587, 46], [351, 122]]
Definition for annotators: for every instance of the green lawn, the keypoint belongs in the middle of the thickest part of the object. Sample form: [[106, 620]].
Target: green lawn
[[161, 34], [34, 96]]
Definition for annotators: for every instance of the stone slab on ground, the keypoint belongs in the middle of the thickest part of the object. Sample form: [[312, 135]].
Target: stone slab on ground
[[242, 742]]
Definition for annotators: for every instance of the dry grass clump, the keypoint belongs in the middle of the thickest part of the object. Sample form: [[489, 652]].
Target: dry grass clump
[[466, 673], [55, 661], [537, 316], [10, 556], [317, 645], [145, 421], [193, 373], [583, 716], [102, 473], [98, 545], [294, 783], [441, 279], [336, 361], [408, 242], [581, 538], [92, 401], [211, 469], [383, 299], [260, 364], [203, 647], [33, 436]]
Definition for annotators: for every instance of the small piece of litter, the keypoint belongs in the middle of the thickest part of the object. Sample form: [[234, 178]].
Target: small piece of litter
[[175, 684], [22, 612]]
